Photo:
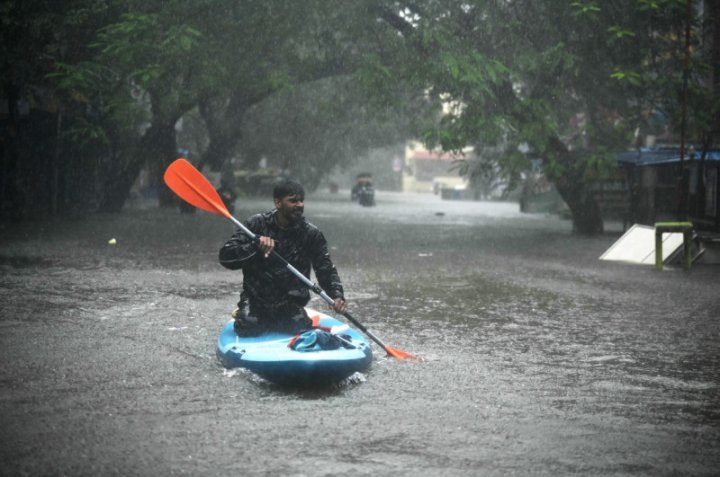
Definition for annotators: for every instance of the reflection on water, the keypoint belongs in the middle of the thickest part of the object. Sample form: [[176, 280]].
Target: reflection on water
[[540, 358]]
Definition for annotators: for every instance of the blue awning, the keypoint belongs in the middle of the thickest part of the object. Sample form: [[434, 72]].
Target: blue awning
[[659, 156]]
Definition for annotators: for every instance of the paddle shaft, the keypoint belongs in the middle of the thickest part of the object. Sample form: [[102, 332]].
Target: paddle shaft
[[308, 283]]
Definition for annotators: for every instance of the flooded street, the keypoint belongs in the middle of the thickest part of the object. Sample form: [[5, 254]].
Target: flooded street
[[540, 359]]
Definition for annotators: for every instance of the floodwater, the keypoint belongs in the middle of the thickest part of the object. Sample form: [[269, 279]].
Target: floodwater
[[539, 358]]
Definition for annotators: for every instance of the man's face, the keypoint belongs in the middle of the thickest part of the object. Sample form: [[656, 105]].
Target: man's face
[[290, 207]]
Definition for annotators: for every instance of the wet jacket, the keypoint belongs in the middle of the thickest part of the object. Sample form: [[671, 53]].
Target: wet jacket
[[270, 285]]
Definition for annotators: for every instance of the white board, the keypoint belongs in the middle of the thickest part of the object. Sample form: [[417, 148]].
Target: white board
[[637, 245]]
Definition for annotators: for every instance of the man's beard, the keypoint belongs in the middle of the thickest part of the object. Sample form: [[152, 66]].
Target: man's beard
[[294, 216]]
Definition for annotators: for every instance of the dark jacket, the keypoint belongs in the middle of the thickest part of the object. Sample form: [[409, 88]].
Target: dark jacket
[[270, 285]]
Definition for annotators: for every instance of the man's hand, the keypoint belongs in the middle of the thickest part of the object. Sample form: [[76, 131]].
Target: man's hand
[[339, 306], [266, 245]]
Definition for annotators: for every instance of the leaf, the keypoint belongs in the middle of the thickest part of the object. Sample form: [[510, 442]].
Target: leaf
[[618, 33], [585, 8]]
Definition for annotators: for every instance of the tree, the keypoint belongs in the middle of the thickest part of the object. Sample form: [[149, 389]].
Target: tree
[[517, 72], [40, 172], [223, 57], [123, 74], [287, 45], [136, 67], [147, 71], [308, 130]]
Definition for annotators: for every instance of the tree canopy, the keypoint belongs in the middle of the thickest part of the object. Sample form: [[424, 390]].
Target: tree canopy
[[568, 82], [312, 84]]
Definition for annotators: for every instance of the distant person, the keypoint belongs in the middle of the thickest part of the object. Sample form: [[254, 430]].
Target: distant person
[[366, 194], [272, 298], [228, 195], [363, 190], [360, 181], [186, 208]]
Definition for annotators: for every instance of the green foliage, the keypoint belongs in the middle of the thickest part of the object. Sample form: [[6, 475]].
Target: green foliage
[[585, 8], [553, 60], [618, 33], [308, 130], [374, 76], [144, 67], [146, 52], [631, 77], [571, 80]]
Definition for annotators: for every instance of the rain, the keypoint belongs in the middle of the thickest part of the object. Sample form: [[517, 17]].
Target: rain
[[468, 169]]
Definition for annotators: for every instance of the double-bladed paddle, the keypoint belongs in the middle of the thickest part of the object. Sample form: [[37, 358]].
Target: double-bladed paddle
[[192, 187]]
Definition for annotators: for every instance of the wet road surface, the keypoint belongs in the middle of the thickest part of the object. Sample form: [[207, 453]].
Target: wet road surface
[[540, 359]]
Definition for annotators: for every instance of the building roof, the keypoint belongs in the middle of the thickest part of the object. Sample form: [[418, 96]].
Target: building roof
[[664, 155], [423, 154]]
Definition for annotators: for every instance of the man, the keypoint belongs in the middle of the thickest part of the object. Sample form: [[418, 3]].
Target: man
[[272, 298]]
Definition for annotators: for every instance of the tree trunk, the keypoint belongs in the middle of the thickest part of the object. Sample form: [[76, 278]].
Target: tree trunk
[[55, 166], [713, 7], [219, 148], [575, 191], [225, 132], [158, 148], [12, 197], [586, 215], [117, 190], [166, 152], [121, 169]]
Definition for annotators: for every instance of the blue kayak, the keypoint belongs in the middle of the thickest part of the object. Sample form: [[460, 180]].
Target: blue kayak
[[276, 357]]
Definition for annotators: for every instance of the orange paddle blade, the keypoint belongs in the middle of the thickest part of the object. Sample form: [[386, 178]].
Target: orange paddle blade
[[396, 353], [192, 187]]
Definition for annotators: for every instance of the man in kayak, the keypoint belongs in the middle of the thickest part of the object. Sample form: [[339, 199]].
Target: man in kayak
[[272, 298]]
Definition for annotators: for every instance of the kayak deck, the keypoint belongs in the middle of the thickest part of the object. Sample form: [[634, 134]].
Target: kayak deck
[[269, 356]]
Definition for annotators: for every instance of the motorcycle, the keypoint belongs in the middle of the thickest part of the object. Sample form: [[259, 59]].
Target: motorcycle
[[363, 191]]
